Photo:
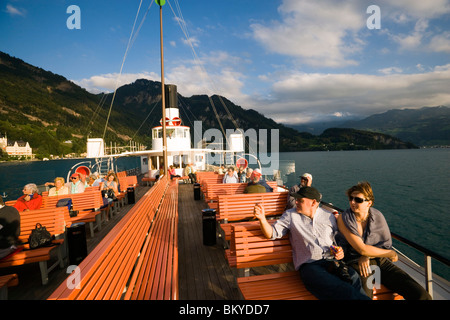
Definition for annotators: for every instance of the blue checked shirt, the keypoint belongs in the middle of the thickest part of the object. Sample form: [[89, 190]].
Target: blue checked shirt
[[310, 239]]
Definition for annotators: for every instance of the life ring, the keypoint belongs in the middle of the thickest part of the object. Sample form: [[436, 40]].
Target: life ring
[[242, 162], [83, 170]]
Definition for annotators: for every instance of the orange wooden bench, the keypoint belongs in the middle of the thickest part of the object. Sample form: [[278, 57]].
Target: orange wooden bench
[[156, 272], [55, 221], [251, 249], [105, 274], [6, 281], [215, 179], [239, 207], [147, 180], [88, 204], [214, 190]]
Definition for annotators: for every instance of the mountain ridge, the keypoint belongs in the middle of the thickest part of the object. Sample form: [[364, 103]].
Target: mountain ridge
[[47, 110]]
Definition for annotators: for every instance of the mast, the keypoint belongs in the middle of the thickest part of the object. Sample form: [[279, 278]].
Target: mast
[[163, 95]]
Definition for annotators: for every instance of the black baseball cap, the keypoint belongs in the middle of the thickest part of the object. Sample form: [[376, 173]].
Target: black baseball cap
[[307, 192]]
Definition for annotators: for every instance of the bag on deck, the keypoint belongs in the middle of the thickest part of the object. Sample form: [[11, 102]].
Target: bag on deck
[[39, 237]]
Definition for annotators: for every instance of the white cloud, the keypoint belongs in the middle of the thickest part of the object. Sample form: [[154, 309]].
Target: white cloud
[[108, 82], [15, 11], [319, 33], [302, 97], [440, 43], [390, 70]]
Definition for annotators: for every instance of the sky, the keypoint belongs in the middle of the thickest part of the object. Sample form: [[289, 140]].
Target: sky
[[295, 61]]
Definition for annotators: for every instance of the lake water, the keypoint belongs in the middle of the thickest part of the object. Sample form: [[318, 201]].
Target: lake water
[[411, 187]]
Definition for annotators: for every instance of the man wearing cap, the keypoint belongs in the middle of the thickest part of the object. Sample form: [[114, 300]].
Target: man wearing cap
[[312, 231], [305, 180], [254, 186]]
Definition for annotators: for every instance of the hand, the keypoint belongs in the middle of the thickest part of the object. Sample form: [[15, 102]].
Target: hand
[[339, 254], [364, 266], [259, 212], [27, 198], [394, 256]]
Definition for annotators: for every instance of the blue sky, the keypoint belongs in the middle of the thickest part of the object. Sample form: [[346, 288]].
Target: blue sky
[[294, 61]]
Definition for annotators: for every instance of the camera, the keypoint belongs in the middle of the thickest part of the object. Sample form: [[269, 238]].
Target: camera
[[340, 269]]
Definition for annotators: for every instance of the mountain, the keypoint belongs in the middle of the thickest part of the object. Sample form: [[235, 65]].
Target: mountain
[[56, 116], [426, 126]]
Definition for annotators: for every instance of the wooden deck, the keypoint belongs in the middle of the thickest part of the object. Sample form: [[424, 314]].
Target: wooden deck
[[204, 273]]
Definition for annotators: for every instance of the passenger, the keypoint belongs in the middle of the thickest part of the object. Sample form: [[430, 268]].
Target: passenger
[[248, 174], [230, 176], [91, 181], [312, 231], [9, 229], [31, 199], [83, 180], [75, 185], [189, 171], [254, 186], [370, 243], [241, 174], [173, 173], [305, 180], [99, 181], [111, 184], [261, 181], [221, 169], [59, 188]]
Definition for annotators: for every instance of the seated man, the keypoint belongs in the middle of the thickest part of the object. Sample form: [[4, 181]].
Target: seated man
[[312, 232], [9, 229], [254, 186], [261, 181], [305, 180]]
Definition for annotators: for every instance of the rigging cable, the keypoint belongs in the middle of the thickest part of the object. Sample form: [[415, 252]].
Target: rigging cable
[[183, 26], [121, 68]]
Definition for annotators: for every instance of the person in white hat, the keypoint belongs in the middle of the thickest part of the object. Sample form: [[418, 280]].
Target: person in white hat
[[305, 181], [261, 181]]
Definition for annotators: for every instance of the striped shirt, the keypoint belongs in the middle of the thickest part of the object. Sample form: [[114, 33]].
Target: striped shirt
[[310, 238]]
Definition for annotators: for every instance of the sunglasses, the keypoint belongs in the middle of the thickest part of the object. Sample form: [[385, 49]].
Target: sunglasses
[[74, 178], [357, 199]]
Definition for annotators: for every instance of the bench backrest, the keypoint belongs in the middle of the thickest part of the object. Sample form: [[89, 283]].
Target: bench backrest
[[214, 190], [240, 206], [128, 181], [252, 249], [54, 220], [80, 201]]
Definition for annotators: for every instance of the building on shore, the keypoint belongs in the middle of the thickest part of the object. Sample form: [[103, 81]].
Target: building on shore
[[18, 149]]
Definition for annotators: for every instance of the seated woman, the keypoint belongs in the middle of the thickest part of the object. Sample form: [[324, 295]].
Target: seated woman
[[230, 176], [172, 173], [368, 242], [111, 184], [31, 199], [59, 188]]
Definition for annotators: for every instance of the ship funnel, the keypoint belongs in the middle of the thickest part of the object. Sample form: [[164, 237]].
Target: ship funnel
[[170, 91]]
